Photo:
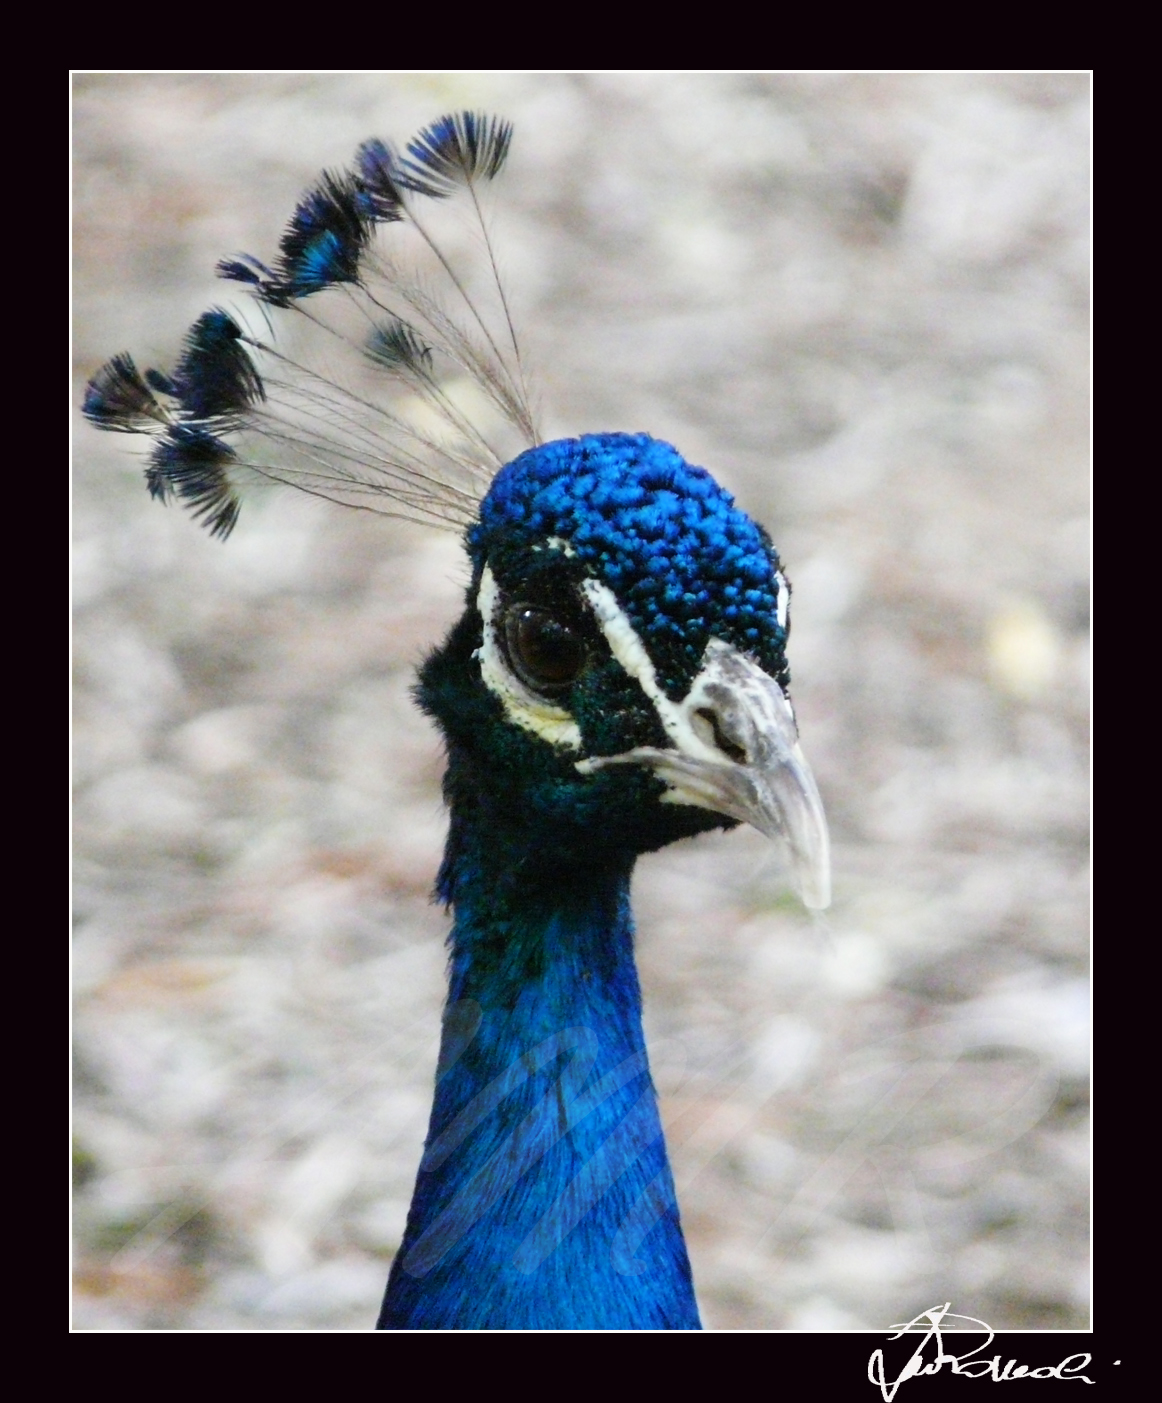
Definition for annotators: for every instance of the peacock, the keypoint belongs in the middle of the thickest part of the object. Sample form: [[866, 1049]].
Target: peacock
[[618, 681]]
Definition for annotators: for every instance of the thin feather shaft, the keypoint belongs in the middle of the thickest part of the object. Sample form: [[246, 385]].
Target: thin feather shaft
[[421, 516], [338, 405], [499, 282], [458, 345], [327, 454], [452, 341], [461, 289]]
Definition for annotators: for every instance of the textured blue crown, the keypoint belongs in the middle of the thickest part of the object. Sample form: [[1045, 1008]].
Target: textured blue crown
[[684, 561]]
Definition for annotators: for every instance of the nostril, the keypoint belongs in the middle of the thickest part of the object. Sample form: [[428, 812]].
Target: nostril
[[728, 747]]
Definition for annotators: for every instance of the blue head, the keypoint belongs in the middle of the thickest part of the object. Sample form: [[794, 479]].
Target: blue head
[[685, 563], [619, 679]]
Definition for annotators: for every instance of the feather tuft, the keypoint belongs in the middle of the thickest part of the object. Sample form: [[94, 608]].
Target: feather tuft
[[118, 398], [163, 384], [453, 152], [245, 269], [323, 243], [395, 346], [191, 463], [380, 191], [215, 378], [270, 408]]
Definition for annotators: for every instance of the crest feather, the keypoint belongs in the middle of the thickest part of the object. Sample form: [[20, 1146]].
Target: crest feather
[[346, 379]]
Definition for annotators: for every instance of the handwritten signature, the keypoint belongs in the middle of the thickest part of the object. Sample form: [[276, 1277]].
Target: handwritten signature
[[983, 1368]]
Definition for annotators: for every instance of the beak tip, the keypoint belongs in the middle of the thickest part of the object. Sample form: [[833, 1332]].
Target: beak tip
[[815, 894]]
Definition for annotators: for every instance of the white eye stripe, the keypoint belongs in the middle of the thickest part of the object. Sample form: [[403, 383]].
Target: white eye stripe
[[782, 599], [523, 707], [625, 645], [554, 723], [684, 721]]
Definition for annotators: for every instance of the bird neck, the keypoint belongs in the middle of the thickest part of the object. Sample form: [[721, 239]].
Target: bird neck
[[544, 1199]]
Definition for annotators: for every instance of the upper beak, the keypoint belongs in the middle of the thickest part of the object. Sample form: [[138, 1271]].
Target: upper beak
[[736, 752]]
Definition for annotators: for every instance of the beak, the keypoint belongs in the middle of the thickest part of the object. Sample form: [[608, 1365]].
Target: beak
[[736, 752]]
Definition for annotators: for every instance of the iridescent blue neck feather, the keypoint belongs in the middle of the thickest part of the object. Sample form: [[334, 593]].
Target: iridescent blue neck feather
[[545, 1199]]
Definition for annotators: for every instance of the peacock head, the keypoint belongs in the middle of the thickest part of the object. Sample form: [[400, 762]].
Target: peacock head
[[619, 680]]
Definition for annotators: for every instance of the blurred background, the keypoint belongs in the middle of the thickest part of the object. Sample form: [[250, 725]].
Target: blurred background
[[861, 302]]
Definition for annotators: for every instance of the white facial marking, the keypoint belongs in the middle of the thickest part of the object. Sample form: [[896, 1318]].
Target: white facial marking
[[687, 731], [724, 671], [523, 706], [736, 746], [782, 599]]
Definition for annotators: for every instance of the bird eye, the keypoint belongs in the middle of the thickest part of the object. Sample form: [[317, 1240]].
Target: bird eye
[[546, 654]]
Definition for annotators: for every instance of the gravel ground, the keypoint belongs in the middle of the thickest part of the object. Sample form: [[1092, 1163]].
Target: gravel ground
[[861, 301]]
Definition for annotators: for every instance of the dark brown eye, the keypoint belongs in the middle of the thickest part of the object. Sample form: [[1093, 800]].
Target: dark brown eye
[[545, 653]]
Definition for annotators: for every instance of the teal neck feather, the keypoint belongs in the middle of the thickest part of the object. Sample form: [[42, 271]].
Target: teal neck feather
[[545, 1198]]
